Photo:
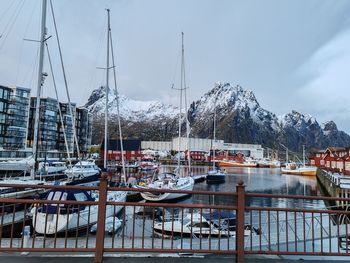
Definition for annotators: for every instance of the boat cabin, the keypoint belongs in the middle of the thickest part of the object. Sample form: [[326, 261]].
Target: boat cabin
[[65, 195]]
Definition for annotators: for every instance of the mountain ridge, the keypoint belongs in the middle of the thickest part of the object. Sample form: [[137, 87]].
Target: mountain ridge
[[240, 118]]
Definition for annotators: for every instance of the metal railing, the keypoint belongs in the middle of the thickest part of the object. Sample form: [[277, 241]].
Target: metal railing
[[185, 228]]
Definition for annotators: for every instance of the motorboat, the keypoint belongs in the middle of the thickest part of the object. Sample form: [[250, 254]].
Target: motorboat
[[166, 181], [51, 168], [56, 218], [82, 170], [193, 225]]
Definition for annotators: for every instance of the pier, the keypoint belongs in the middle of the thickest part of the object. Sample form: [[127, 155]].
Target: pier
[[335, 185]]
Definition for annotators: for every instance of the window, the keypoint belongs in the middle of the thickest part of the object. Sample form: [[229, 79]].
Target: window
[[80, 197]]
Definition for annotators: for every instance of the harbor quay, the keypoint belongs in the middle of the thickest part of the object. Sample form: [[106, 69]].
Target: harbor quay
[[237, 225]]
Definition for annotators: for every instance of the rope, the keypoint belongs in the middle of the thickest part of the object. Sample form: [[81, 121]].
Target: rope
[[11, 23], [58, 105], [118, 112], [65, 81]]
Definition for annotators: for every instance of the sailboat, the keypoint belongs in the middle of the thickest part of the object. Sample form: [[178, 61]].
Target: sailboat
[[18, 213], [172, 181], [215, 175], [54, 218], [292, 168]]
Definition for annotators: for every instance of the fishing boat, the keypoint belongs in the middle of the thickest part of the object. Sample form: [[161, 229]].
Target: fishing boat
[[172, 181], [293, 168], [193, 225], [267, 163], [229, 163], [56, 218]]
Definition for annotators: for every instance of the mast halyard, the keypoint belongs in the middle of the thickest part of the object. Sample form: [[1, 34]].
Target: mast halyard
[[118, 111], [39, 86], [107, 87]]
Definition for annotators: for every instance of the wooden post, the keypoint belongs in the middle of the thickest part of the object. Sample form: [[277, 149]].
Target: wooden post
[[101, 218], [240, 189]]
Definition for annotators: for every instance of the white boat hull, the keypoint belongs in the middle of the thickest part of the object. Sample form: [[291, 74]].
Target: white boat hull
[[155, 197], [50, 224]]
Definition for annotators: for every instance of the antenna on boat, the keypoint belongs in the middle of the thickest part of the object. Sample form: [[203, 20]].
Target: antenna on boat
[[40, 83]]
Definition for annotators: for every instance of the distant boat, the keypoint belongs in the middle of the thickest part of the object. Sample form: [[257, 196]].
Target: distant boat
[[267, 163], [56, 218], [215, 175], [228, 163], [292, 168]]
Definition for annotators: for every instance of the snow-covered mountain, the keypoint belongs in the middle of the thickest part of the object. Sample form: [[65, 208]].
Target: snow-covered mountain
[[134, 110], [240, 118]]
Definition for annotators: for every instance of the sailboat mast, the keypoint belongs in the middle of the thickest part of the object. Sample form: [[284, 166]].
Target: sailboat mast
[[186, 109], [107, 87], [304, 155], [39, 84], [180, 111], [118, 110], [214, 134]]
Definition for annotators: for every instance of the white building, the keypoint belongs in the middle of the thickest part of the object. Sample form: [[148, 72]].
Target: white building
[[156, 145], [252, 150]]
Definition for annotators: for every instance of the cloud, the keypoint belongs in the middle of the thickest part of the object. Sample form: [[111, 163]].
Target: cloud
[[328, 73]]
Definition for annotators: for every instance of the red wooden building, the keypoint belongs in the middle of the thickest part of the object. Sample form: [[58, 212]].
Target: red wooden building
[[131, 149], [333, 158], [197, 155]]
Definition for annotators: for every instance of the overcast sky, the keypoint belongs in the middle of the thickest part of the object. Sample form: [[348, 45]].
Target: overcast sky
[[291, 54]]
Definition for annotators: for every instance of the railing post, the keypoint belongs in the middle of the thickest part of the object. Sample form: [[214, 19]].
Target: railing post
[[240, 189], [101, 218]]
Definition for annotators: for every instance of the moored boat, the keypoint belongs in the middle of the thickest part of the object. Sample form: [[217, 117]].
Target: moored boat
[[193, 225], [83, 170], [56, 218], [166, 181], [228, 163]]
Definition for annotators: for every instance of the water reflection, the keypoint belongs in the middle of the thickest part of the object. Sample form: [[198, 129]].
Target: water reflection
[[257, 180]]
